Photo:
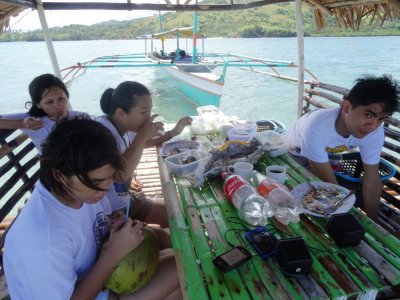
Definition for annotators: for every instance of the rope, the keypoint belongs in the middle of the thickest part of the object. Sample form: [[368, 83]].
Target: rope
[[16, 22]]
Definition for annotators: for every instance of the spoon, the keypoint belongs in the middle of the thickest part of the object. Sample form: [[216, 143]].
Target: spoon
[[340, 202], [333, 208]]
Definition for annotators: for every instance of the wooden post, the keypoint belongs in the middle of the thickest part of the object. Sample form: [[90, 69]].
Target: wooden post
[[300, 58], [47, 38]]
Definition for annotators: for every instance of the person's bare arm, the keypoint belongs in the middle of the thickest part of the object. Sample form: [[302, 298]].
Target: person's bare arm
[[372, 190], [122, 241], [323, 171], [28, 123], [177, 130], [159, 140]]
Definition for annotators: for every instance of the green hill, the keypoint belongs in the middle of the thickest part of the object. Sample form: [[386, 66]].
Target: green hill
[[276, 20]]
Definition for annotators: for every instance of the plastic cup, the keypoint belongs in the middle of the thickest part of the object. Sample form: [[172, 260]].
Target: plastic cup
[[276, 172], [241, 168], [336, 161]]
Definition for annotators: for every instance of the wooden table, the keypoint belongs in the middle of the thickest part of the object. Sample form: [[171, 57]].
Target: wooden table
[[202, 221]]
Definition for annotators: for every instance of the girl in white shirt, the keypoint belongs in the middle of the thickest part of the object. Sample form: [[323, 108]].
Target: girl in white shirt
[[49, 102], [128, 115]]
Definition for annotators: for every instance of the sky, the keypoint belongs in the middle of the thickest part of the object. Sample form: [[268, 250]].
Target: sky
[[29, 20]]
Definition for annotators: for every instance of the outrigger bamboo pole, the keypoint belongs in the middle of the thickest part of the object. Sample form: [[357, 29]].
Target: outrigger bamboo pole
[[194, 51], [47, 38], [300, 58]]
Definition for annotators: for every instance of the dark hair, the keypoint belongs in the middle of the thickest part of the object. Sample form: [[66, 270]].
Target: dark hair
[[124, 97], [371, 89], [36, 89], [75, 146], [182, 53]]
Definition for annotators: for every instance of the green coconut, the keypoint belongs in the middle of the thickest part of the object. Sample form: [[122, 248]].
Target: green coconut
[[137, 267]]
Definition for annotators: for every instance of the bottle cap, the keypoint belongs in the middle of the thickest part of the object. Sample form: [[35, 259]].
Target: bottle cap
[[224, 174]]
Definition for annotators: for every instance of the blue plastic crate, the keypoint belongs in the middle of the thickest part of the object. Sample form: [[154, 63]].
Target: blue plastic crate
[[351, 170]]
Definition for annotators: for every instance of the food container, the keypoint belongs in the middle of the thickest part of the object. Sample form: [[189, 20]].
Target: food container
[[243, 132], [188, 163], [179, 146]]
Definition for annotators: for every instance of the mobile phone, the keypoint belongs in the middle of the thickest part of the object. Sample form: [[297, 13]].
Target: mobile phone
[[232, 258], [262, 241]]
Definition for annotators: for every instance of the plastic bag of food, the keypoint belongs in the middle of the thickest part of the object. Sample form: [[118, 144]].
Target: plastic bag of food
[[273, 142]]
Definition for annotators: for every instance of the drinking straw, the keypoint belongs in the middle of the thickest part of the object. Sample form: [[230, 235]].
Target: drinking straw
[[128, 204]]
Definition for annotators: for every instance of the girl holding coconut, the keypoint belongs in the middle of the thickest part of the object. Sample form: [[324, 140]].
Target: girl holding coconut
[[61, 246]]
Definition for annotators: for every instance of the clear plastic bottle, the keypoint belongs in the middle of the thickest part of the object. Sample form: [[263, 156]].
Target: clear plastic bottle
[[253, 208], [280, 199]]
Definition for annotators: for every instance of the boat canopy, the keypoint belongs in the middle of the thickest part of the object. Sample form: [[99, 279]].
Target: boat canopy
[[347, 13], [186, 32]]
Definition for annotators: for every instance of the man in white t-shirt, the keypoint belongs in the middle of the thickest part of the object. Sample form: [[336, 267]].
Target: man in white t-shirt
[[356, 124]]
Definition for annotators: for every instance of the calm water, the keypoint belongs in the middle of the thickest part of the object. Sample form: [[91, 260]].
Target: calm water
[[246, 95]]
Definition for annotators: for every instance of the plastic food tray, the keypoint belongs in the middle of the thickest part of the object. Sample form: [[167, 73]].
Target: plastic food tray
[[178, 166]]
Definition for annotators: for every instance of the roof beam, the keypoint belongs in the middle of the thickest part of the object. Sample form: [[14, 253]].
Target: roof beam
[[152, 6]]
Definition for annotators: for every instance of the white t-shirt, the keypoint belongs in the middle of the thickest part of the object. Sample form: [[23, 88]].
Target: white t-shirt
[[316, 136], [39, 135], [51, 246], [118, 193]]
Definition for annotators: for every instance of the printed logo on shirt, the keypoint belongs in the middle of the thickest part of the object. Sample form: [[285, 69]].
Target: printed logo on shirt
[[337, 149], [100, 230], [121, 189]]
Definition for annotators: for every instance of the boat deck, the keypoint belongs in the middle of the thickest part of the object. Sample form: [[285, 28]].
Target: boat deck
[[149, 175]]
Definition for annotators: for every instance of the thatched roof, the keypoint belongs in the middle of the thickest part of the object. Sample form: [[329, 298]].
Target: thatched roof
[[8, 10], [348, 13]]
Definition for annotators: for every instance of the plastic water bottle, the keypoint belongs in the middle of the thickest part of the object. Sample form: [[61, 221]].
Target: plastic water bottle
[[280, 199], [253, 208]]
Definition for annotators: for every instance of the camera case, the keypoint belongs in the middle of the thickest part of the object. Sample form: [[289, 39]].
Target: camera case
[[293, 257], [345, 230]]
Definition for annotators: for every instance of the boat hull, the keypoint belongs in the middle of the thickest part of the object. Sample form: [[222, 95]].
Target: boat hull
[[202, 88]]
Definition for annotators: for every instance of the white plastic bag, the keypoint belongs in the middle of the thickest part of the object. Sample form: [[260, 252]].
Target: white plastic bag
[[273, 142]]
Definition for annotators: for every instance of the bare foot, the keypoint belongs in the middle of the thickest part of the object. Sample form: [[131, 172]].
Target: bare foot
[[136, 185]]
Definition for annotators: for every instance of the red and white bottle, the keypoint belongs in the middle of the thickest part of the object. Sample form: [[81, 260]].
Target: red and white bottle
[[253, 208], [280, 199]]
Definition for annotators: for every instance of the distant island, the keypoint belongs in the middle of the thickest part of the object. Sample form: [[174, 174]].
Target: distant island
[[277, 20]]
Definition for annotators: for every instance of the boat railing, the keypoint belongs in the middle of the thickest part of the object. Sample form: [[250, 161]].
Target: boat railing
[[323, 95], [19, 172]]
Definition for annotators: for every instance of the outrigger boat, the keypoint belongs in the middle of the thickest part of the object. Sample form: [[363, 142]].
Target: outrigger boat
[[370, 270], [193, 76], [200, 76]]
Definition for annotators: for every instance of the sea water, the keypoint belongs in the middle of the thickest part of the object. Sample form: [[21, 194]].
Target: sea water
[[246, 95]]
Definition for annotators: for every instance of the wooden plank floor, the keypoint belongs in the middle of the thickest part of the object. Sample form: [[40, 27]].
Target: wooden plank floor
[[149, 175]]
